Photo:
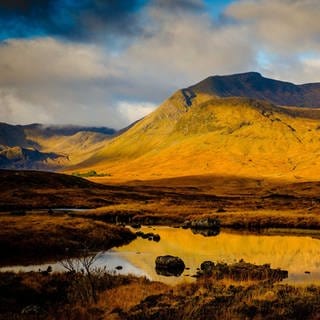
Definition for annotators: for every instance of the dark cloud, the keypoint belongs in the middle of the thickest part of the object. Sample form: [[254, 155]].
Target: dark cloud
[[72, 19]]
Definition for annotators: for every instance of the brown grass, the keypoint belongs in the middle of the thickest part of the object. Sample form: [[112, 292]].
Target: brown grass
[[126, 296]]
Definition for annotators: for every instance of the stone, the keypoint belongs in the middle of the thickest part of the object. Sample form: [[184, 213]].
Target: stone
[[169, 265]]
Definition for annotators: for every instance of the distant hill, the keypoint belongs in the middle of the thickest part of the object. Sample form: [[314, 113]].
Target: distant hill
[[240, 125], [37, 146], [21, 158], [11, 136]]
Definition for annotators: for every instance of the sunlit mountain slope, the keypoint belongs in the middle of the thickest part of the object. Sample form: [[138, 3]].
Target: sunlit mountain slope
[[198, 132]]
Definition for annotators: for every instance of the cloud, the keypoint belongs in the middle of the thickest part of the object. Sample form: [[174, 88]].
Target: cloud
[[48, 60], [187, 48], [135, 111], [286, 32], [285, 26], [51, 81], [71, 19]]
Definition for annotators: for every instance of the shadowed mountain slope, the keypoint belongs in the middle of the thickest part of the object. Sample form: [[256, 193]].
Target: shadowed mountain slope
[[38, 146]]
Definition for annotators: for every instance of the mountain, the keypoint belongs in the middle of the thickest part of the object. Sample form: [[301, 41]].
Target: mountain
[[37, 146], [240, 125]]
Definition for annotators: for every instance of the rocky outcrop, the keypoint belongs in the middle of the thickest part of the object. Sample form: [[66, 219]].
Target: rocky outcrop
[[205, 223], [241, 271], [205, 226]]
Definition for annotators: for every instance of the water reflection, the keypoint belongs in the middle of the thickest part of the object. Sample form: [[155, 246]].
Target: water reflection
[[294, 253], [206, 232], [297, 254]]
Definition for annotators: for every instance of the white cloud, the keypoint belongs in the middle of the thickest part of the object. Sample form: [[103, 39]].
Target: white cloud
[[46, 60], [286, 26], [134, 111]]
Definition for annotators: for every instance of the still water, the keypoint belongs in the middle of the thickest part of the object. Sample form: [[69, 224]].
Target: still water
[[300, 255]]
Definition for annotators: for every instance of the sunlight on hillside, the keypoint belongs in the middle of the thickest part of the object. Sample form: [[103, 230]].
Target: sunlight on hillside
[[234, 136]]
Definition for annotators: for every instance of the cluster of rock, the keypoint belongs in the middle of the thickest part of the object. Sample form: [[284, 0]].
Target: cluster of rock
[[202, 223], [206, 226], [240, 271]]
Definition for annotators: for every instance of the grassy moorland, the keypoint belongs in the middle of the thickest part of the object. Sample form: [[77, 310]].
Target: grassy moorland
[[31, 227]]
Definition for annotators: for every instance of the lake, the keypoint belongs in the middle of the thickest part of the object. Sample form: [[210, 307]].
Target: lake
[[300, 255]]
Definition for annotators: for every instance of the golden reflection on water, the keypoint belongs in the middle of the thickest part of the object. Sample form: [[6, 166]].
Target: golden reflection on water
[[297, 254]]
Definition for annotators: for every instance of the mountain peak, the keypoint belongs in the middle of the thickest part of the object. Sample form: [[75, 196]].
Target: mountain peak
[[254, 85]]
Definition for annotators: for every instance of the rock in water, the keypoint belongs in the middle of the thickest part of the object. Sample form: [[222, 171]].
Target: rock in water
[[169, 265]]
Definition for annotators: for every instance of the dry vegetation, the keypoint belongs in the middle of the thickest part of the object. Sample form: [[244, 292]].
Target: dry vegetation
[[36, 295], [68, 296]]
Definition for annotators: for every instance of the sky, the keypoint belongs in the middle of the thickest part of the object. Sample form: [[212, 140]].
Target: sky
[[111, 62]]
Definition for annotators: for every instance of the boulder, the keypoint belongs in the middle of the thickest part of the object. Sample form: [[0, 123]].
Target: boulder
[[156, 238], [169, 265]]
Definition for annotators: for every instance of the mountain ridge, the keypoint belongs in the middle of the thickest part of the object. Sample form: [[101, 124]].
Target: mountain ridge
[[254, 85]]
